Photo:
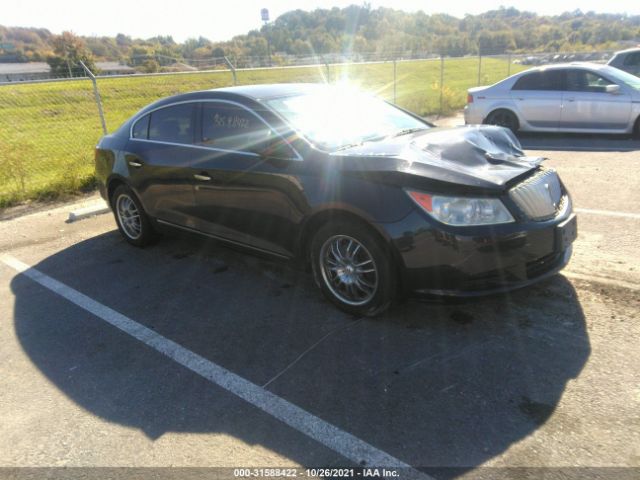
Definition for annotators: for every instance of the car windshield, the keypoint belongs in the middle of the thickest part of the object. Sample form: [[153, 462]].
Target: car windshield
[[624, 77], [336, 118]]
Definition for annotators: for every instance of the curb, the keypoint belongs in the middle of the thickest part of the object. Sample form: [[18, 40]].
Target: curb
[[96, 209]]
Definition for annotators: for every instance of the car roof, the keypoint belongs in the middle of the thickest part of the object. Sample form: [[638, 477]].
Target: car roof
[[250, 92], [628, 50], [273, 90], [576, 65]]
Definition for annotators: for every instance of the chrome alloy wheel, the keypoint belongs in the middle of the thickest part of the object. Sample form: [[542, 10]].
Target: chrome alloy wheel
[[348, 269], [129, 217]]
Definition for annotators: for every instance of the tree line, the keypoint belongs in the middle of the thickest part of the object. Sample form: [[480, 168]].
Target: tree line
[[354, 30]]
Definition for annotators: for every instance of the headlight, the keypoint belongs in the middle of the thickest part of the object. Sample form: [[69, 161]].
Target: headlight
[[462, 211]]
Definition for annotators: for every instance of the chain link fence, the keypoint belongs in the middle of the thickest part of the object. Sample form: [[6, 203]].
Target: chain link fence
[[48, 128]]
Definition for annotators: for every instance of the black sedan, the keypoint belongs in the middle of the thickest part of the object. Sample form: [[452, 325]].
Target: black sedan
[[375, 199]]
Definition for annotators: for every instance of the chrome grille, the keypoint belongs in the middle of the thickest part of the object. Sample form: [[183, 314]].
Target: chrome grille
[[539, 196]]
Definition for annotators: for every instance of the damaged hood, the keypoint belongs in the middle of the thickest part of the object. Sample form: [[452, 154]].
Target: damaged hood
[[475, 156]]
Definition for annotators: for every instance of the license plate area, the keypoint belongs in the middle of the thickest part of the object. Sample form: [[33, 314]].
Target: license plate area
[[566, 232]]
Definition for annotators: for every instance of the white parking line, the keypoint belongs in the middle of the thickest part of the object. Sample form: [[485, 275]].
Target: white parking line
[[323, 432], [610, 213]]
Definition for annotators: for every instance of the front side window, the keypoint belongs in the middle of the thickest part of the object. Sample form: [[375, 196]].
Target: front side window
[[230, 127], [585, 81], [172, 124], [543, 80]]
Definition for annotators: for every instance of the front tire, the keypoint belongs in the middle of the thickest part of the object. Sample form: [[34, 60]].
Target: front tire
[[503, 118], [133, 222], [353, 269], [636, 130]]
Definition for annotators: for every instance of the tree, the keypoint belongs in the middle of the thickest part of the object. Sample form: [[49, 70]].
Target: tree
[[68, 51], [150, 66]]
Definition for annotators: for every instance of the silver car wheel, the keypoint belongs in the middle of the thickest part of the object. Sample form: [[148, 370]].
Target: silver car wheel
[[128, 217], [348, 270]]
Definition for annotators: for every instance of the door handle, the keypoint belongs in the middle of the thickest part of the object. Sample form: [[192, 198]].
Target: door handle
[[571, 99], [135, 164], [204, 178]]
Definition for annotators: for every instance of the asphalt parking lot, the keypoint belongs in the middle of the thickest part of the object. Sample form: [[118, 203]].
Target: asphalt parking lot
[[191, 354]]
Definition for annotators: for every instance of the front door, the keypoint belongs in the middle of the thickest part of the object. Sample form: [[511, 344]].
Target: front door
[[587, 105], [242, 195]]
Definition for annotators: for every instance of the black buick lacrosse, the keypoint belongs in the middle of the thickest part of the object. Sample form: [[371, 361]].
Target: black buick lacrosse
[[376, 200]]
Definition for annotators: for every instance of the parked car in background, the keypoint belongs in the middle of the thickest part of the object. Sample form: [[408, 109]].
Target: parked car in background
[[371, 196], [627, 60], [576, 97]]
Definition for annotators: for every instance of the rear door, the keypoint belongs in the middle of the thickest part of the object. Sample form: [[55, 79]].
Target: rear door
[[587, 105], [241, 195], [159, 156], [538, 98]]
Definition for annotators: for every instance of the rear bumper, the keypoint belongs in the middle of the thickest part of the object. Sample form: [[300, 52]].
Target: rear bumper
[[472, 115], [103, 191], [439, 260]]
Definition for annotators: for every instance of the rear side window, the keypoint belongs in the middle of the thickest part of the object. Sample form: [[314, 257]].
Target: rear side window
[[172, 124], [544, 80], [230, 127], [141, 128]]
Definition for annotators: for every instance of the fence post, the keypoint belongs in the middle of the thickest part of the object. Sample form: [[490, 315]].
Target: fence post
[[509, 65], [233, 70], [96, 95], [479, 66], [441, 83], [395, 98]]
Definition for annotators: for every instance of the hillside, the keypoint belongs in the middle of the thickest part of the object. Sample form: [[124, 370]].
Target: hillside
[[358, 29]]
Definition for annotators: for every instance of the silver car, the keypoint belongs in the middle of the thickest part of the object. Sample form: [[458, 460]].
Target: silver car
[[580, 98], [627, 60]]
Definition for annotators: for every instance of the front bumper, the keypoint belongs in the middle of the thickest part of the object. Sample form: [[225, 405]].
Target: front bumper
[[442, 260]]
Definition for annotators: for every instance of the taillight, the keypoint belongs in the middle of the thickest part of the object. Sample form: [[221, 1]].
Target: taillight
[[469, 98]]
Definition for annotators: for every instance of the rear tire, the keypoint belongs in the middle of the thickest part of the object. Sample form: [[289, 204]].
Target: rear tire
[[636, 130], [503, 118], [133, 222], [352, 268]]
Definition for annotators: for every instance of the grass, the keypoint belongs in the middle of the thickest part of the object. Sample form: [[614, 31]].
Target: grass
[[48, 130]]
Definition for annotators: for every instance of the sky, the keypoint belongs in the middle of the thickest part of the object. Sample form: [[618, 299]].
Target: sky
[[221, 20]]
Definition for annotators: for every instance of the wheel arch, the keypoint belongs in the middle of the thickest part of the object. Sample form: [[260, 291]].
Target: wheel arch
[[320, 218], [316, 221], [506, 108], [112, 184]]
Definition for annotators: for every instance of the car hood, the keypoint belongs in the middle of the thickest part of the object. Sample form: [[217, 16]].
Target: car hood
[[476, 156]]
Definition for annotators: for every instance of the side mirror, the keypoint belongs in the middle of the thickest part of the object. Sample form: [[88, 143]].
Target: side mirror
[[612, 89]]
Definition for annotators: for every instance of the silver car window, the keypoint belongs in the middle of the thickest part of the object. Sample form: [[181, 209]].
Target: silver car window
[[586, 81], [541, 80], [632, 59]]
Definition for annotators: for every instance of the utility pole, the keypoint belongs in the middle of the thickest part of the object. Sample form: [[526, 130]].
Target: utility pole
[[66, 54]]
